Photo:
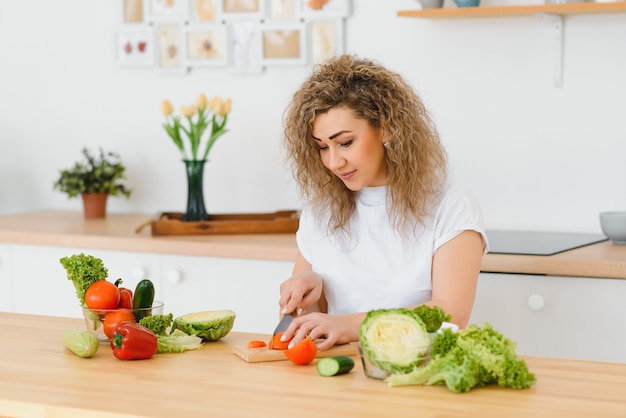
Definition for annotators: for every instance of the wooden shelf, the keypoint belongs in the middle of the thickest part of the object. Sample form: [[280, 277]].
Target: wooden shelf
[[554, 12], [503, 11]]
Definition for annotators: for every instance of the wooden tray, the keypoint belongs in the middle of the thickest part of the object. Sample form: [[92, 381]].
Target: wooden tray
[[256, 355], [171, 223]]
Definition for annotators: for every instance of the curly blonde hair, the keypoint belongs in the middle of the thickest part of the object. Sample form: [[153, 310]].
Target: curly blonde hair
[[415, 157]]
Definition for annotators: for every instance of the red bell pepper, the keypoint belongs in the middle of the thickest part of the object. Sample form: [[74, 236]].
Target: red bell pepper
[[132, 341], [126, 296]]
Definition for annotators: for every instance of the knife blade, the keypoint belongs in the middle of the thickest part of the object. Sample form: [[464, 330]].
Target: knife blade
[[283, 324]]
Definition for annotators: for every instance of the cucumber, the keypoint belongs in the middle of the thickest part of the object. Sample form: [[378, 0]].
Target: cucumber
[[335, 365], [143, 299]]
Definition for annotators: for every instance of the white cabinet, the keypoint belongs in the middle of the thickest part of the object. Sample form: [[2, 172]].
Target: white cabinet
[[566, 317], [5, 278], [248, 287], [40, 284], [34, 281]]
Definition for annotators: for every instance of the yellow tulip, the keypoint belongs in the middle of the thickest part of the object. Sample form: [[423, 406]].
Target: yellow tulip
[[166, 108], [226, 107], [215, 104], [188, 111], [201, 101]]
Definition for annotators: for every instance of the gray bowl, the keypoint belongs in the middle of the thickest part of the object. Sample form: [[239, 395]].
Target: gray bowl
[[430, 4], [613, 225]]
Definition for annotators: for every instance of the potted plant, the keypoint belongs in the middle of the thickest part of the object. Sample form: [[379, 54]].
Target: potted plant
[[94, 179]]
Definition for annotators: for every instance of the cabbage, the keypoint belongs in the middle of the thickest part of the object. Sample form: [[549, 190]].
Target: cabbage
[[208, 325], [395, 340]]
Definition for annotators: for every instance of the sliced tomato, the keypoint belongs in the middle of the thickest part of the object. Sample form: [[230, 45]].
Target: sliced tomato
[[256, 344], [277, 344], [302, 353]]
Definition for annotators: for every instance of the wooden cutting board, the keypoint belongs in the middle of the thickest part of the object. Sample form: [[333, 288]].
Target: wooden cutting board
[[256, 355]]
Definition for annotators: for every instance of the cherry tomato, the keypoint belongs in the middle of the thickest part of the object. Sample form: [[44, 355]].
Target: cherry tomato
[[277, 344], [256, 344], [102, 295], [114, 318], [302, 353]]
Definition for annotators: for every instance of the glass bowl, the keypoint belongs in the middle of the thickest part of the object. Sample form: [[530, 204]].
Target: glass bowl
[[375, 367], [94, 318]]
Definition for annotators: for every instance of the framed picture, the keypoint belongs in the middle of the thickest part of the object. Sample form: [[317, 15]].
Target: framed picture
[[282, 9], [170, 47], [206, 11], [133, 11], [245, 47], [243, 9], [206, 45], [283, 44], [326, 39], [325, 8], [168, 10], [134, 46]]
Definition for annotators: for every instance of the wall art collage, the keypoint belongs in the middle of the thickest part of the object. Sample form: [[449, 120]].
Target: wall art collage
[[246, 36]]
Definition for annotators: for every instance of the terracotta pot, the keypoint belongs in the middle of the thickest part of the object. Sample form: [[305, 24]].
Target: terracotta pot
[[95, 205]]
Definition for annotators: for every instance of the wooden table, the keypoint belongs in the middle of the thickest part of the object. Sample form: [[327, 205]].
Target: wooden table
[[40, 378]]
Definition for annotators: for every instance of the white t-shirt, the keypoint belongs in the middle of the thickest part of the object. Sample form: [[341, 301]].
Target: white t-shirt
[[376, 267]]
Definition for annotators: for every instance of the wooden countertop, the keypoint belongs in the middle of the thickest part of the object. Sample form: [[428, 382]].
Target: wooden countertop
[[40, 378], [119, 232]]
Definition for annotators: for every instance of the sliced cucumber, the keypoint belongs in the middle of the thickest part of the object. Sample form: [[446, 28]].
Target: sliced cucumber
[[335, 365]]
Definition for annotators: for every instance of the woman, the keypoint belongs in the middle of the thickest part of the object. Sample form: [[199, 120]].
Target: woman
[[381, 228]]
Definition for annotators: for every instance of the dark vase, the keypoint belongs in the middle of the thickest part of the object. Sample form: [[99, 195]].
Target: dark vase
[[196, 210]]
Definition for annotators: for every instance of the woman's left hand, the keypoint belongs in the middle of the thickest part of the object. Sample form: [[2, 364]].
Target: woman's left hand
[[326, 330]]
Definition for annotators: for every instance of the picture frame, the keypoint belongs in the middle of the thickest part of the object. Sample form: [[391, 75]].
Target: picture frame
[[133, 12], [244, 40], [134, 46], [326, 39], [170, 48], [312, 9], [282, 9], [205, 11], [168, 10], [242, 9], [206, 45], [283, 43]]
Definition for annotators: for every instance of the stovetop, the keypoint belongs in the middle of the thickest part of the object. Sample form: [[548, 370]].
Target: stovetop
[[538, 243]]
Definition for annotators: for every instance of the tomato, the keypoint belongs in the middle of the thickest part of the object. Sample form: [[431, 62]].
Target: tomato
[[302, 353], [256, 344], [277, 344], [102, 295], [114, 318]]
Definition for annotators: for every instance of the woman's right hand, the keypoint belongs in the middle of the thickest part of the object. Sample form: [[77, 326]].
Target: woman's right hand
[[300, 292]]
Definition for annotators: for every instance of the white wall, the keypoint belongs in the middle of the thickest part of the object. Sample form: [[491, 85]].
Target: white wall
[[537, 157]]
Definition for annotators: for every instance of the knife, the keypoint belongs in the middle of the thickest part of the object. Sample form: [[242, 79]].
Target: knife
[[283, 324]]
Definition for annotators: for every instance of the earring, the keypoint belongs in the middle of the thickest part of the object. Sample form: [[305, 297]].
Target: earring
[[385, 144]]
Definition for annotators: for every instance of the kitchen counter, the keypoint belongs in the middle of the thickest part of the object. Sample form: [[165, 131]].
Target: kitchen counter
[[40, 378], [124, 232]]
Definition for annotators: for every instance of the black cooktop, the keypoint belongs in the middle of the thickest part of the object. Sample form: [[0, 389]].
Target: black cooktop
[[538, 243]]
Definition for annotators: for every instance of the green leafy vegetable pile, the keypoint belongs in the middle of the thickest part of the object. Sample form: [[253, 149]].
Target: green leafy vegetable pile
[[471, 358], [432, 316], [176, 341], [84, 270]]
